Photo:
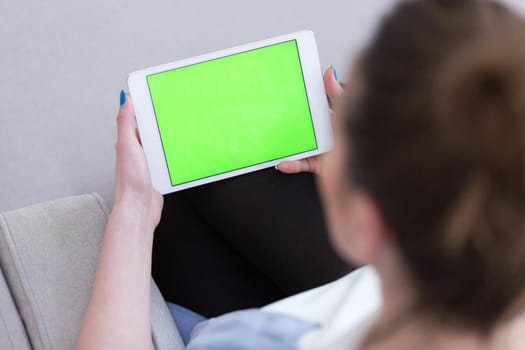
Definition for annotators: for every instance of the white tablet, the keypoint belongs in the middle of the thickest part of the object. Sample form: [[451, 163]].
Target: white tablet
[[232, 112]]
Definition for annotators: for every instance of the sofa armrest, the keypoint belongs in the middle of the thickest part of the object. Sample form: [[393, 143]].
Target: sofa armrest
[[49, 254], [12, 332]]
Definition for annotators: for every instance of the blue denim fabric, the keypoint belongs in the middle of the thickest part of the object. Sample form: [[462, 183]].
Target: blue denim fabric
[[185, 320]]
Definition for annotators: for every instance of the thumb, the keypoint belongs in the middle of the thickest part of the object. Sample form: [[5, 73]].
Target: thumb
[[126, 118], [332, 86]]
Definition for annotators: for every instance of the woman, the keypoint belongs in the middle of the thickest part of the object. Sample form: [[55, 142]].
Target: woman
[[425, 184]]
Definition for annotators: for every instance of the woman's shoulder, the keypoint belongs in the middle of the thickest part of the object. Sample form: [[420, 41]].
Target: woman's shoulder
[[344, 310]]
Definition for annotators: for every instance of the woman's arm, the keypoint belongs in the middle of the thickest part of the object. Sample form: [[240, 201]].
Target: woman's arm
[[118, 313]]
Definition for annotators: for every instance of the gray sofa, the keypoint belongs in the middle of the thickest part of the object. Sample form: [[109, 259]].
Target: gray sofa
[[48, 257]]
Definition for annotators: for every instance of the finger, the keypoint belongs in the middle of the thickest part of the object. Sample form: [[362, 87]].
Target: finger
[[332, 86], [126, 119], [294, 167]]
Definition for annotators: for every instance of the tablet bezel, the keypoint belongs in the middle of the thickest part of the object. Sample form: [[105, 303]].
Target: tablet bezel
[[149, 132]]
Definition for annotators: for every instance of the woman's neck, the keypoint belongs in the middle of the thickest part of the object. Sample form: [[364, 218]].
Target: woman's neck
[[420, 334], [417, 333], [401, 325]]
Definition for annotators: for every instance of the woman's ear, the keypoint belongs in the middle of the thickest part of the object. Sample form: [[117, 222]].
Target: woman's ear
[[368, 229]]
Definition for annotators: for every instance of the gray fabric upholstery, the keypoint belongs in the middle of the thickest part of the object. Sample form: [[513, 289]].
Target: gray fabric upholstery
[[12, 332], [49, 253], [165, 334]]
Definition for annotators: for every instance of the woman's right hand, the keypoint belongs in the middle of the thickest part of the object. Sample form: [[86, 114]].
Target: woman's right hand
[[313, 164], [118, 313]]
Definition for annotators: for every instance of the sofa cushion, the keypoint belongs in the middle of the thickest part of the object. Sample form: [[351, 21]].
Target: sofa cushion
[[49, 254], [12, 332]]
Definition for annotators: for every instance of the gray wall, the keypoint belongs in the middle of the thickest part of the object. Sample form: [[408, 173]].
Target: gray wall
[[63, 63]]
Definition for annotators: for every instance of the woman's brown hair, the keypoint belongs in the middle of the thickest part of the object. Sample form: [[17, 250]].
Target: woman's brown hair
[[437, 138]]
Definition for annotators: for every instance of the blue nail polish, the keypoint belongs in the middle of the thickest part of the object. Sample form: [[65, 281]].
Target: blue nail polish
[[335, 73], [122, 97]]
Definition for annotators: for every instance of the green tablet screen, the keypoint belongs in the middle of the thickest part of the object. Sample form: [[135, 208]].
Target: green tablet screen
[[232, 112]]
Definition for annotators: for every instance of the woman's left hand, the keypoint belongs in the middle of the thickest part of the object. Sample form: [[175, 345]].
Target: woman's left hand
[[133, 184], [313, 164]]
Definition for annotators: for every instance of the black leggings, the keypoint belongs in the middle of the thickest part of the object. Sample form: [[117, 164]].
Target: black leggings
[[243, 242]]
